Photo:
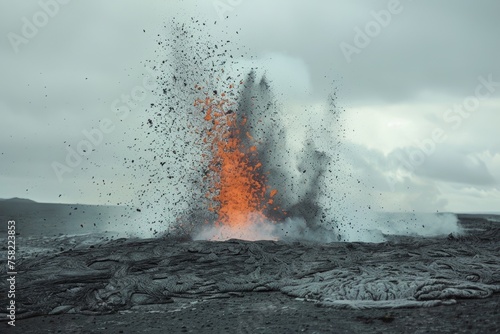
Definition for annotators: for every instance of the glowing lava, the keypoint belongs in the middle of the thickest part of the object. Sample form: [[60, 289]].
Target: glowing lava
[[237, 185]]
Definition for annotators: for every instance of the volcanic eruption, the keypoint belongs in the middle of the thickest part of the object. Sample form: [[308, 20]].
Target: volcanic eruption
[[222, 160], [221, 138], [217, 163]]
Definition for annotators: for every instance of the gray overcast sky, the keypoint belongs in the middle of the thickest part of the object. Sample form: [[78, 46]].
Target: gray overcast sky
[[397, 88]]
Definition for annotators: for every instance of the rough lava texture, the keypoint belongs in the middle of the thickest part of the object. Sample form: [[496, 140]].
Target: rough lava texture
[[120, 274]]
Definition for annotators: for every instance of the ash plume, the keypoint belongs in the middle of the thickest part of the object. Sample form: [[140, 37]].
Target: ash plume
[[317, 191]]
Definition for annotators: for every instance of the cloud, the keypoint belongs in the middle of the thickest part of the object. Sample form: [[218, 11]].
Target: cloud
[[448, 164]]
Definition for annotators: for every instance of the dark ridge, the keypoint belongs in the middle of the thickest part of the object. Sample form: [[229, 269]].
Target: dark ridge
[[17, 200]]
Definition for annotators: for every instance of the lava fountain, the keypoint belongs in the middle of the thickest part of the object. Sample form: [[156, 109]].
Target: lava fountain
[[218, 142], [237, 186]]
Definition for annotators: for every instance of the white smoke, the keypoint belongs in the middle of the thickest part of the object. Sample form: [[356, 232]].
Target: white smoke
[[375, 230]]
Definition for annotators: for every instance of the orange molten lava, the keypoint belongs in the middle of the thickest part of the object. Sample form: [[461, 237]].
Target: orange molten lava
[[237, 185]]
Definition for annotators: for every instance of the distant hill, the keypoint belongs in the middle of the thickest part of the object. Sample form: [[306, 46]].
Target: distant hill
[[17, 200]]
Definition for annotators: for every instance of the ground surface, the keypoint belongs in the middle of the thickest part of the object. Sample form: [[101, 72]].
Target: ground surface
[[272, 313], [79, 284]]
